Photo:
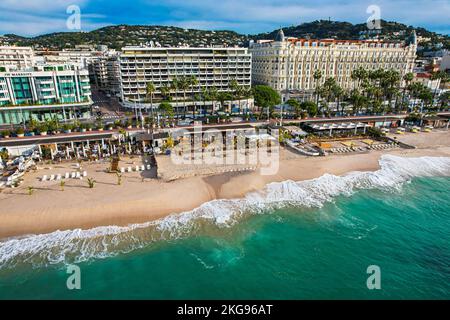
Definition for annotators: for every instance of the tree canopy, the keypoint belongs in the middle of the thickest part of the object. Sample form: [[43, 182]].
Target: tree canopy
[[266, 97]]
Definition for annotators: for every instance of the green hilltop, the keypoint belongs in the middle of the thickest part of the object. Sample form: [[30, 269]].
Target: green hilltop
[[121, 35]]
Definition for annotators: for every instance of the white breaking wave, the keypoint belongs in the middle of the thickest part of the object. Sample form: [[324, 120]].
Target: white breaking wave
[[75, 246]]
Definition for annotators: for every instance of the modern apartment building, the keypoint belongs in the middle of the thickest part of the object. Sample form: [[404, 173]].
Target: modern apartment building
[[212, 67], [104, 73], [288, 64], [16, 58], [81, 55], [43, 92]]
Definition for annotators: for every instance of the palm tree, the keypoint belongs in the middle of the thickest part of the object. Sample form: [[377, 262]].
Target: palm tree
[[327, 91], [193, 82], [443, 76], [444, 99], [317, 76], [149, 92], [389, 82], [360, 74], [444, 79], [358, 100], [213, 95], [222, 97], [407, 78], [167, 109], [338, 93], [205, 97], [175, 86], [294, 104], [197, 98], [184, 84], [236, 89]]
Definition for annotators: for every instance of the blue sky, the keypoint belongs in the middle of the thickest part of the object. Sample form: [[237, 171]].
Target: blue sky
[[34, 17]]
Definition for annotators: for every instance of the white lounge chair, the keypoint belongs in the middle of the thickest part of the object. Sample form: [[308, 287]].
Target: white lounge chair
[[44, 178], [67, 175], [122, 170], [129, 169], [149, 167], [78, 175], [142, 168], [58, 177], [84, 173], [136, 168], [52, 177]]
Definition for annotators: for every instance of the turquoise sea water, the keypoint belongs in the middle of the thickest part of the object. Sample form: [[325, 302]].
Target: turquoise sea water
[[284, 252]]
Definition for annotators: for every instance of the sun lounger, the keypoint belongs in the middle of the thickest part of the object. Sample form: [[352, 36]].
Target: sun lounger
[[142, 168], [84, 173], [67, 175], [44, 178], [136, 168], [58, 177], [52, 177], [148, 167], [73, 175], [129, 169], [122, 170], [78, 175]]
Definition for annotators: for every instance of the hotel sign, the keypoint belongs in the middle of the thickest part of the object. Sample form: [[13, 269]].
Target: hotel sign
[[18, 74]]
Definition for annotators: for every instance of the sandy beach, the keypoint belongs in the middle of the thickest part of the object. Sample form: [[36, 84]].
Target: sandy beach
[[139, 199]]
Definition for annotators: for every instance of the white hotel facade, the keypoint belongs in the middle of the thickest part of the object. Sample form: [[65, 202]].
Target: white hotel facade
[[288, 64], [212, 67], [16, 58]]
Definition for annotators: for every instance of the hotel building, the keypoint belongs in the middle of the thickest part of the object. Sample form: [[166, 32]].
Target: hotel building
[[16, 58], [43, 92], [212, 67], [288, 64]]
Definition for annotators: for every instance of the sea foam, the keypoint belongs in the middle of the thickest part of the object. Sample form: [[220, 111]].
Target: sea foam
[[75, 246]]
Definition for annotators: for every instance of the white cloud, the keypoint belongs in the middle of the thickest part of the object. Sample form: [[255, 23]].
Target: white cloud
[[29, 6], [36, 17], [259, 13], [31, 17]]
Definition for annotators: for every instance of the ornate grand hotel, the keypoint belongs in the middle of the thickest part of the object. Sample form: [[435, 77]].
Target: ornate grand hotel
[[288, 64]]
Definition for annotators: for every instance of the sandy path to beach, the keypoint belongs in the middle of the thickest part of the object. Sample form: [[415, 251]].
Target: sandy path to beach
[[136, 200]]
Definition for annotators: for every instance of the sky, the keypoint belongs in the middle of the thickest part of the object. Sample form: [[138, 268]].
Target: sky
[[35, 17]]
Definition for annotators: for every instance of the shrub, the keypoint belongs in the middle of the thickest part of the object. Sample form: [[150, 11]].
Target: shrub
[[91, 182], [374, 132], [67, 127], [6, 133], [43, 127]]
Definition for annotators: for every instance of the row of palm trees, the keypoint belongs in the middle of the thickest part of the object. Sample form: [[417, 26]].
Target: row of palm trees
[[378, 91], [190, 85]]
